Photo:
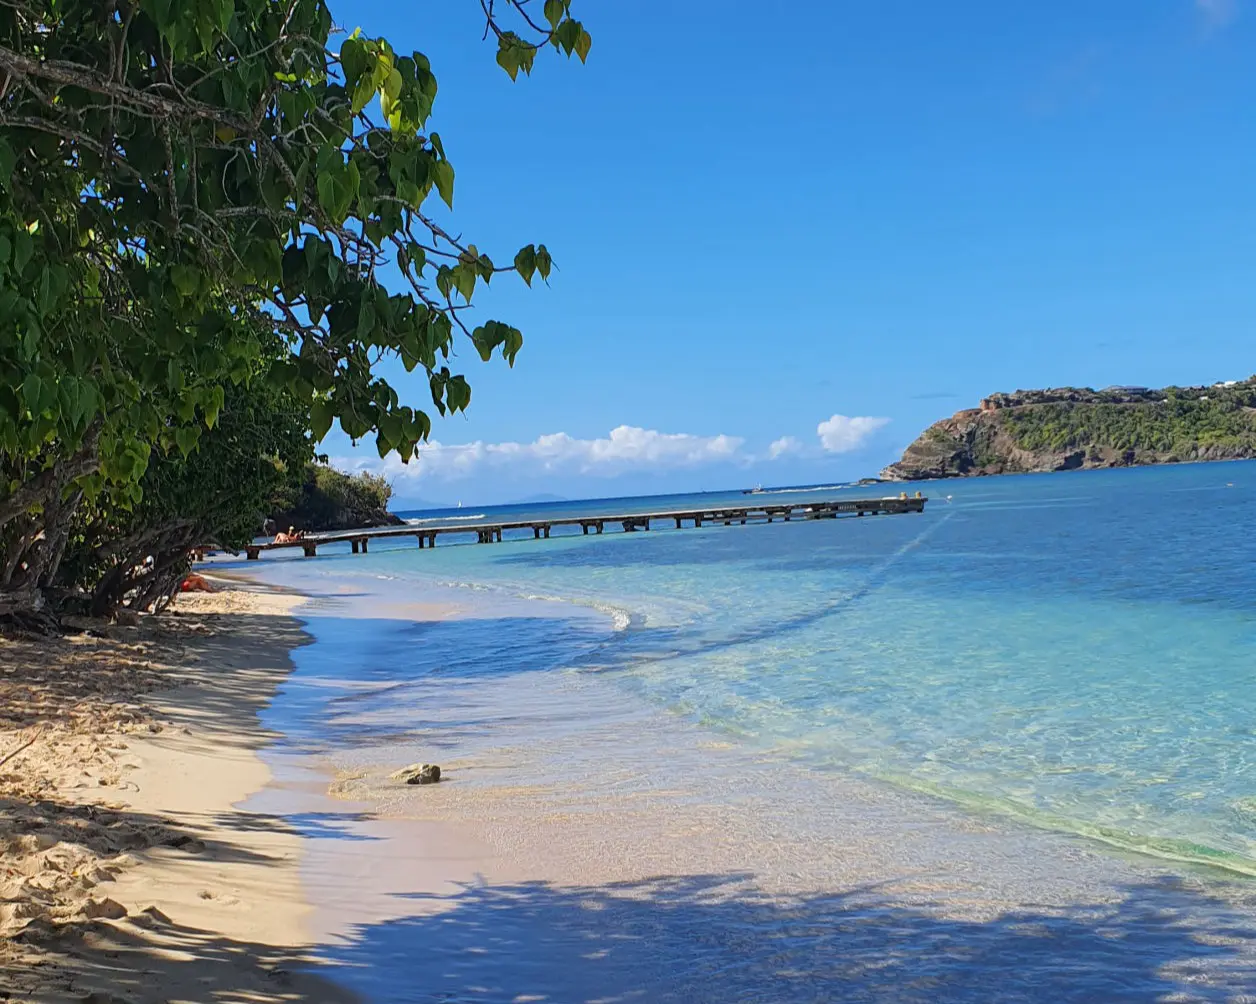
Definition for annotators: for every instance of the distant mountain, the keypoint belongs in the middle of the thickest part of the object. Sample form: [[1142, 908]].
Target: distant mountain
[[1072, 428], [531, 499], [414, 505]]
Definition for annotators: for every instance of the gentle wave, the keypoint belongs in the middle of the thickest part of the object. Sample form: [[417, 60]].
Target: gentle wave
[[621, 617], [798, 491], [1165, 848], [443, 519]]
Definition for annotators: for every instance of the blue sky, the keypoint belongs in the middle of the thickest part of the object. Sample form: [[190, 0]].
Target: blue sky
[[791, 235]]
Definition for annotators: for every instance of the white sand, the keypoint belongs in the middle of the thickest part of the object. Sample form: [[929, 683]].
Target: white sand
[[128, 870]]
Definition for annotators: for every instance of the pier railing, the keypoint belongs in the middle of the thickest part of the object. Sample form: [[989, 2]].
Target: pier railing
[[492, 531]]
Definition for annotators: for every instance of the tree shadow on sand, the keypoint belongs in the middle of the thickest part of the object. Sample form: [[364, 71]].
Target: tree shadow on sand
[[687, 938], [147, 959], [703, 938]]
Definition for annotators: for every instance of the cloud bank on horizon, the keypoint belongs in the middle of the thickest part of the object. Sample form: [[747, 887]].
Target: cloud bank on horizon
[[624, 449]]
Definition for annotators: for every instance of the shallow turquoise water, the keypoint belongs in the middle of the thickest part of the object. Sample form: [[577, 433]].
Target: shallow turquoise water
[[1074, 650]]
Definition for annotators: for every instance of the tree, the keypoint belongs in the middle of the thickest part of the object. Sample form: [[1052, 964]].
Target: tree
[[181, 181], [137, 553], [328, 499]]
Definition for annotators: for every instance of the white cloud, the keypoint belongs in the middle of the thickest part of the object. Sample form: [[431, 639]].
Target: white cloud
[[1217, 13], [625, 448], [783, 446], [841, 434]]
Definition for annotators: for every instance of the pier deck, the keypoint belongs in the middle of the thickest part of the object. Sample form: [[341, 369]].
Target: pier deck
[[490, 531]]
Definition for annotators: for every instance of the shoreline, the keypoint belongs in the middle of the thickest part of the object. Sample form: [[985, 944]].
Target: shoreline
[[130, 870], [585, 844]]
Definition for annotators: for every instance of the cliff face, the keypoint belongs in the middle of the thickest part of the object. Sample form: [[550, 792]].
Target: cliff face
[[1073, 428]]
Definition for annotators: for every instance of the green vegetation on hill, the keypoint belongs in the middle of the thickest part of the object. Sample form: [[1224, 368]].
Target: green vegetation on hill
[[328, 499], [1173, 426], [1069, 428]]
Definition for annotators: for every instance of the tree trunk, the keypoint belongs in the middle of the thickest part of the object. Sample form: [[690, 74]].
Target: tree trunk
[[133, 583], [35, 524], [51, 483]]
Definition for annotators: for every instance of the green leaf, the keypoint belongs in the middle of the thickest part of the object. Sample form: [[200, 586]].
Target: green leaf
[[32, 392], [362, 93], [185, 438], [436, 381], [393, 84], [445, 280], [464, 281], [159, 11], [554, 11], [525, 263], [23, 248], [457, 393], [418, 257], [185, 279], [543, 261], [584, 42], [44, 295], [327, 193], [567, 34], [352, 60], [213, 405], [485, 339], [443, 172], [508, 58], [513, 343], [320, 419], [389, 428]]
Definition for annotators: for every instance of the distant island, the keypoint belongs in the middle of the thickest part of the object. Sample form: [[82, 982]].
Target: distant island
[[1072, 428], [534, 499]]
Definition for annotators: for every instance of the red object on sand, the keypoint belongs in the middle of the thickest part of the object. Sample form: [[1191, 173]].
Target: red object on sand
[[195, 584]]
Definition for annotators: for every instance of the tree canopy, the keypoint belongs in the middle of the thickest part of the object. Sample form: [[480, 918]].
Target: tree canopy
[[184, 182]]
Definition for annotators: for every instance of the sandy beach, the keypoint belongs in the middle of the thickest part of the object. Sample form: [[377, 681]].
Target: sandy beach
[[129, 872], [162, 844]]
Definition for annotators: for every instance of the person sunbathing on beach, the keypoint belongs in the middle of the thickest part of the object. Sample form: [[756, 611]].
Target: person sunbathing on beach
[[291, 537]]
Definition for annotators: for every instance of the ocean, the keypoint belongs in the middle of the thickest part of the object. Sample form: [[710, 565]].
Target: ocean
[[1061, 658]]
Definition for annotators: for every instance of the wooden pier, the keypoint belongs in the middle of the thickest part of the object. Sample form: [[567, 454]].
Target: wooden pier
[[492, 532]]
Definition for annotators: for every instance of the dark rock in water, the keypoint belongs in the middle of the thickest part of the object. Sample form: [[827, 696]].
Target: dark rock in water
[[418, 773]]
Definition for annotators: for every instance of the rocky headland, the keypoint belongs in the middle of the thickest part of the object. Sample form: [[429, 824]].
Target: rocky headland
[[1072, 428]]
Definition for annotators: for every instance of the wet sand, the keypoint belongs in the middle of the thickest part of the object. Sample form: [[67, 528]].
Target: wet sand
[[585, 846]]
